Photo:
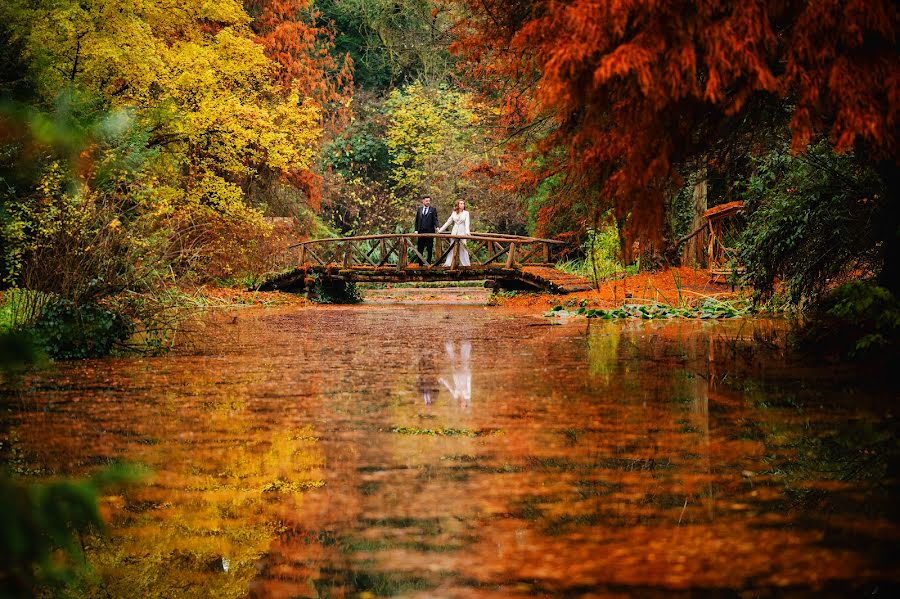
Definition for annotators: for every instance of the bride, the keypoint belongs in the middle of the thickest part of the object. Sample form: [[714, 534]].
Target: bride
[[460, 219]]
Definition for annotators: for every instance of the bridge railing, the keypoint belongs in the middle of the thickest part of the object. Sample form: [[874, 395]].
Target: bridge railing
[[400, 251]]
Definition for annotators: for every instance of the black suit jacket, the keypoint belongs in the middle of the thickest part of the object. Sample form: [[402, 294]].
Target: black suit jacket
[[426, 223]]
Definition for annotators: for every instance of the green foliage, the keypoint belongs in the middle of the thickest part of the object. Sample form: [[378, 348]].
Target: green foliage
[[62, 329], [325, 291], [41, 526], [859, 319], [601, 256], [546, 199], [359, 150], [810, 222], [707, 309], [20, 308], [391, 42], [424, 126], [358, 198], [67, 330], [603, 251], [680, 208]]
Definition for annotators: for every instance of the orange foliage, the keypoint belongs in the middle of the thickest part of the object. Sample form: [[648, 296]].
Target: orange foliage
[[310, 184], [635, 87], [288, 31]]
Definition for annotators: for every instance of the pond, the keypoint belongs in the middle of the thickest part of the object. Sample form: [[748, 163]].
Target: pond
[[465, 451]]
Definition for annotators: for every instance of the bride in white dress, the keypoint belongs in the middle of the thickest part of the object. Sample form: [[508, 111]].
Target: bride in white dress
[[460, 219]]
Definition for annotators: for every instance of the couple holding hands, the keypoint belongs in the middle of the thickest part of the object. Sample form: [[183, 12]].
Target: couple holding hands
[[426, 222]]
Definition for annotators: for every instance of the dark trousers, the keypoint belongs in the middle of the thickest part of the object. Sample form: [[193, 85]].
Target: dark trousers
[[425, 245]]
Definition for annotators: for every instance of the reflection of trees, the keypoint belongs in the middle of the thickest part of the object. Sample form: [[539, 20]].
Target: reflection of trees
[[221, 507], [589, 448], [223, 475], [821, 465], [603, 351]]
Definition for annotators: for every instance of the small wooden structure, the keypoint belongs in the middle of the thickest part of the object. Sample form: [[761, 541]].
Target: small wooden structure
[[502, 260], [395, 250], [720, 227]]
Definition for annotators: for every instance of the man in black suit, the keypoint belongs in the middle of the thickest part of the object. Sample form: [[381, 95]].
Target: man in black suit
[[426, 222]]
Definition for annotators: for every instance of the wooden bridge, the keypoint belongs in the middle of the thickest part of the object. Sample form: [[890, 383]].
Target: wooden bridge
[[505, 261]]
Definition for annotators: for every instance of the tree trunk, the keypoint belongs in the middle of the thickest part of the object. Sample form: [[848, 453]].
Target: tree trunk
[[694, 252]]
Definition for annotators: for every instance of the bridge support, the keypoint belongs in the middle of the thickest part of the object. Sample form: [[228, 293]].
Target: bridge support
[[506, 284], [333, 290], [337, 281]]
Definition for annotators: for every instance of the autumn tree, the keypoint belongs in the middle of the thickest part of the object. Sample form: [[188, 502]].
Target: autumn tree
[[188, 92], [632, 90], [393, 42], [294, 35], [418, 140]]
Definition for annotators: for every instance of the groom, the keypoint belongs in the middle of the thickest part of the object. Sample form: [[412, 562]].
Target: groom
[[426, 222]]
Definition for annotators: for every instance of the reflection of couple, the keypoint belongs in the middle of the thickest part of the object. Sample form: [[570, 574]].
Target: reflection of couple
[[459, 384], [426, 221]]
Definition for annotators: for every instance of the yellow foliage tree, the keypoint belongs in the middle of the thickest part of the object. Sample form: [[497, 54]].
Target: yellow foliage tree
[[426, 126], [192, 77]]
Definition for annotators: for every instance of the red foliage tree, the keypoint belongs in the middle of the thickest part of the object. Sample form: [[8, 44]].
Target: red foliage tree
[[288, 31], [291, 36], [634, 87]]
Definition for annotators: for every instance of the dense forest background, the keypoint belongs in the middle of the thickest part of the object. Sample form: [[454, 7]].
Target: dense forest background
[[147, 146]]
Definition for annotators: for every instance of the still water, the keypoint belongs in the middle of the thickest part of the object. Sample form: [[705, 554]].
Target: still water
[[461, 451]]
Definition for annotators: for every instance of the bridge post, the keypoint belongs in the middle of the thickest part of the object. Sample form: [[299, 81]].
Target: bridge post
[[546, 252], [401, 259], [511, 256], [348, 252], [303, 254]]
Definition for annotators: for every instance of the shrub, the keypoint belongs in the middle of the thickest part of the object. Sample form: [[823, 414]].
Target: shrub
[[601, 255], [67, 330], [325, 291], [809, 222], [858, 319]]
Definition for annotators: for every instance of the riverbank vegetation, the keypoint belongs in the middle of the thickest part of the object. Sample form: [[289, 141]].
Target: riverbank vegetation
[[146, 154]]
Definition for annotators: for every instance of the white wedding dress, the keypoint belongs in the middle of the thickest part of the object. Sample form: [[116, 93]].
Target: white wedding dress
[[460, 221]]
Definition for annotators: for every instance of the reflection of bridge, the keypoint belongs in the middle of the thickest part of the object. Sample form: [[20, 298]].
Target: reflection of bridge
[[507, 261]]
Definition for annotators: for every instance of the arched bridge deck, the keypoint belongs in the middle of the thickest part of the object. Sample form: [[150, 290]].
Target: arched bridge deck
[[508, 261]]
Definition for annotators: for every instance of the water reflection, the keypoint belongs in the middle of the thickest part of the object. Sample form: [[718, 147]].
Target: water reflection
[[459, 383], [427, 381], [307, 454]]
